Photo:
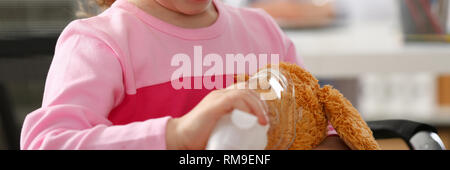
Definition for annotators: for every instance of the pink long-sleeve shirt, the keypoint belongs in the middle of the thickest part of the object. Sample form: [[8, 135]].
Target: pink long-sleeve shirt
[[110, 82]]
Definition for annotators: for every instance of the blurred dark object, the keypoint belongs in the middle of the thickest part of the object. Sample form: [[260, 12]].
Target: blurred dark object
[[27, 46], [9, 126], [22, 82], [418, 136], [425, 20], [31, 27], [299, 13], [24, 63], [28, 35], [40, 18]]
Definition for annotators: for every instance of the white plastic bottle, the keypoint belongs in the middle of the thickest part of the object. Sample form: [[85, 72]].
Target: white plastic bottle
[[238, 131], [241, 131]]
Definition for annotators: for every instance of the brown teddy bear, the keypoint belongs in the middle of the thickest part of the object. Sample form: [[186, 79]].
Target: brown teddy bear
[[318, 107]]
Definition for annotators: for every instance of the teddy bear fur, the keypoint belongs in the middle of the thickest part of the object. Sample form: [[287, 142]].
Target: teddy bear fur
[[320, 106]]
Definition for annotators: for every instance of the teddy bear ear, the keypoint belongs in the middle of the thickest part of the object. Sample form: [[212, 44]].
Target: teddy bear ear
[[348, 123], [311, 128]]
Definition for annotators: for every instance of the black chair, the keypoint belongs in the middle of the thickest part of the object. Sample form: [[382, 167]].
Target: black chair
[[417, 136], [13, 47], [8, 120]]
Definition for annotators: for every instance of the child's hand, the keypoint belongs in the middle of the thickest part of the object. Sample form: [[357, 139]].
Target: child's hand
[[192, 131]]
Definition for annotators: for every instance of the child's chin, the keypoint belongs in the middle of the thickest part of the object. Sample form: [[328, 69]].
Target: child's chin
[[196, 6], [193, 12]]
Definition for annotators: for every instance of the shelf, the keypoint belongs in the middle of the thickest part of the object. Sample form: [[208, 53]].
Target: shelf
[[372, 48], [440, 118]]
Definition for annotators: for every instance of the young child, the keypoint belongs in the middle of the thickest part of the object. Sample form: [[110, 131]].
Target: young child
[[111, 84]]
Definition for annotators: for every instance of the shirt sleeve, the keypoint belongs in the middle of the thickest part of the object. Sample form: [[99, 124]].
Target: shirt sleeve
[[84, 83], [291, 55], [331, 131]]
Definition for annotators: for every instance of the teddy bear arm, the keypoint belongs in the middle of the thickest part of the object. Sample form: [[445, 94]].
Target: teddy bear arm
[[348, 123]]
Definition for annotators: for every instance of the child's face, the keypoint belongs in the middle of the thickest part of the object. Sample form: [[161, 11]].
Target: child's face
[[188, 7]]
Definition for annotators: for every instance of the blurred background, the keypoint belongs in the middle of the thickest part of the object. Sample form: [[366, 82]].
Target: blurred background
[[391, 58]]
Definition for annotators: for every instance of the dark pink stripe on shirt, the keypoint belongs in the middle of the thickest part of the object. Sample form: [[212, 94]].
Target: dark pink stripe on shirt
[[157, 101]]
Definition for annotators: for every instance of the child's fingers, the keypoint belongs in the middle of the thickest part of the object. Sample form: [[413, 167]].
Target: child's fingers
[[241, 105], [262, 104], [257, 107], [253, 105]]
